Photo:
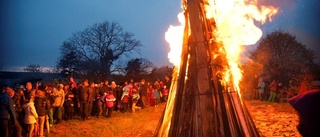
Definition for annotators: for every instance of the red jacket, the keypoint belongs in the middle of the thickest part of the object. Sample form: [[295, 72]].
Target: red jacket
[[110, 100]]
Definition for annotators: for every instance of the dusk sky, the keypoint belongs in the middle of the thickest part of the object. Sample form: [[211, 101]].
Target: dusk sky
[[32, 31]]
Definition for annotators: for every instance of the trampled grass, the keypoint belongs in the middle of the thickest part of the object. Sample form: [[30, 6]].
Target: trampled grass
[[271, 119], [140, 123]]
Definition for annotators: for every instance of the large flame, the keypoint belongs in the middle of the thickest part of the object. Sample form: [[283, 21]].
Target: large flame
[[235, 22], [174, 36]]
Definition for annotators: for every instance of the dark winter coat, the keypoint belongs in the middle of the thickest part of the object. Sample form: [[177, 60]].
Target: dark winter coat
[[6, 107], [92, 94], [69, 105], [84, 93], [41, 104]]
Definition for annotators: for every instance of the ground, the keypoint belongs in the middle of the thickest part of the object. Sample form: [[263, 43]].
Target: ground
[[271, 119], [274, 119]]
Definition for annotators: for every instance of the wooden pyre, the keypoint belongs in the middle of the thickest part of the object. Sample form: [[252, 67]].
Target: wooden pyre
[[200, 105]]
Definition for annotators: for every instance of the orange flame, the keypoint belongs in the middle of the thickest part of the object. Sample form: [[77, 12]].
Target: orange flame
[[235, 27], [174, 36]]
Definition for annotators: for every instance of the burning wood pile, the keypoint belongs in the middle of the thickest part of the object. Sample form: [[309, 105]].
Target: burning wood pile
[[204, 98]]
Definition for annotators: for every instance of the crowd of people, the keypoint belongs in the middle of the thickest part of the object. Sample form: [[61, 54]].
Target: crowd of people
[[264, 91], [31, 109]]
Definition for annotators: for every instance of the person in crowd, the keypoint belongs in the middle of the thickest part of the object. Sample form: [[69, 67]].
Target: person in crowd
[[38, 84], [101, 100], [74, 90], [125, 98], [156, 95], [72, 82], [307, 106], [131, 81], [255, 82], [130, 86], [167, 82], [41, 104], [69, 103], [118, 94], [273, 89], [31, 115], [143, 93], [66, 88], [69, 106], [135, 91], [165, 93], [18, 100], [105, 87], [92, 97], [104, 90], [57, 106], [110, 99], [261, 87], [151, 96], [49, 95], [161, 85], [135, 97], [7, 115], [29, 92], [83, 99]]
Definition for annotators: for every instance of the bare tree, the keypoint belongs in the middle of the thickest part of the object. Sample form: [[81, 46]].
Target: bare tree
[[95, 49]]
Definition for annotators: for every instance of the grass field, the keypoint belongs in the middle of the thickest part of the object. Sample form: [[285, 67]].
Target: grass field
[[141, 123], [271, 119]]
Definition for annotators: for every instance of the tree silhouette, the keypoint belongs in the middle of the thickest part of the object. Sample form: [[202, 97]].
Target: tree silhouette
[[282, 57], [33, 68], [95, 49], [138, 68]]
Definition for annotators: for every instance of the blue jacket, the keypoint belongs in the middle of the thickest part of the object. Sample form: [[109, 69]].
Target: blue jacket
[[6, 107]]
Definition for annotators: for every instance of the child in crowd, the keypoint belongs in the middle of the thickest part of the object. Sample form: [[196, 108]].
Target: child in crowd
[[110, 102], [156, 95], [101, 101], [151, 96], [165, 93], [69, 107]]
